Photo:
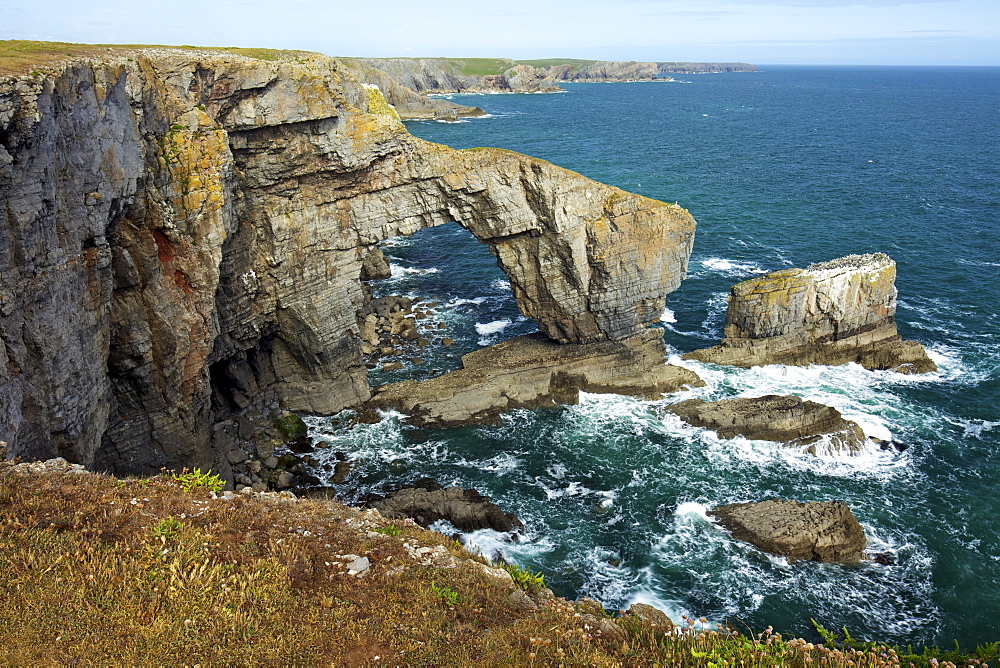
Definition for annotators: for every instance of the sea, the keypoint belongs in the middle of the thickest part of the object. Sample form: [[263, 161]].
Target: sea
[[781, 168]]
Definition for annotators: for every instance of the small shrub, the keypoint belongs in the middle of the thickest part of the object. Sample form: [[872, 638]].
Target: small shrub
[[167, 527], [524, 578], [192, 480], [447, 595], [389, 530]]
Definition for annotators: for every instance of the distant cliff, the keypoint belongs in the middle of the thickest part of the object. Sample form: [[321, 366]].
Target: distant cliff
[[182, 236], [406, 82]]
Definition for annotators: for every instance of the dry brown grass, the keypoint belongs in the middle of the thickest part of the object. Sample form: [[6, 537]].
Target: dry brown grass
[[96, 570]]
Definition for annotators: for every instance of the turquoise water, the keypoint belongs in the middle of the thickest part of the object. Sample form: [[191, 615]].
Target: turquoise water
[[781, 168]]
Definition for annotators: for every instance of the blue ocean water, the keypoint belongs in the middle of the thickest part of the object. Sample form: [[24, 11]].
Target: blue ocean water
[[783, 167]]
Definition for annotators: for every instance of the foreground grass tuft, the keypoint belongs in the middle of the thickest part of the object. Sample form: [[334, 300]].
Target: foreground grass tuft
[[146, 572]]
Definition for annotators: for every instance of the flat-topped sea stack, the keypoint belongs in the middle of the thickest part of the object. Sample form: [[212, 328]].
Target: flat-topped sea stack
[[789, 420], [828, 313], [816, 531], [530, 372]]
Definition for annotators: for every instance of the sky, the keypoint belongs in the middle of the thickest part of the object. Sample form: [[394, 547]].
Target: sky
[[806, 32]]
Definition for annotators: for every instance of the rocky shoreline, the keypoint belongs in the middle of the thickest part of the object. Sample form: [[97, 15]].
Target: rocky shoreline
[[408, 82], [185, 268]]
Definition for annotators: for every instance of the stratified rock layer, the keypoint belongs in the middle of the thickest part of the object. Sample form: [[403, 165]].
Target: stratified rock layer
[[828, 313], [530, 372], [182, 235], [819, 531], [785, 419]]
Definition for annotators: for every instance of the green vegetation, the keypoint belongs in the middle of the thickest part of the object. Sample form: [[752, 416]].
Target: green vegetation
[[167, 527], [448, 596], [928, 656], [195, 479], [480, 66], [577, 63], [389, 530], [291, 427], [525, 579], [97, 570]]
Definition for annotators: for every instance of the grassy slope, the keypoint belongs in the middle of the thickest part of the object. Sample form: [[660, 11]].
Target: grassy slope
[[22, 56], [143, 572]]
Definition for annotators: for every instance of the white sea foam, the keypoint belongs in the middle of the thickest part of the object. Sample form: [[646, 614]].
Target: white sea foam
[[501, 285], [692, 508], [455, 303], [732, 267], [398, 271], [668, 316], [486, 328], [501, 464]]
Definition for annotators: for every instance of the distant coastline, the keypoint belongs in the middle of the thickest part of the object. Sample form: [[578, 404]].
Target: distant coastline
[[412, 85]]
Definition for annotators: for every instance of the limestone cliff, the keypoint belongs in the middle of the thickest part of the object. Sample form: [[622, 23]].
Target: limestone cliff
[[182, 234], [828, 313], [407, 81]]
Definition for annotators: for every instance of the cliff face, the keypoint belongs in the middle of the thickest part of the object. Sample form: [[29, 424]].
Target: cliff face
[[828, 313], [407, 81], [182, 236]]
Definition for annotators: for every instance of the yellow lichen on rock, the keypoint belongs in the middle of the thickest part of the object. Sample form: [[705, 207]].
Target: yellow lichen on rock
[[196, 153], [377, 103]]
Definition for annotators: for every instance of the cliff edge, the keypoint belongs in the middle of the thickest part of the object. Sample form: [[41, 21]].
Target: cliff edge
[[183, 232]]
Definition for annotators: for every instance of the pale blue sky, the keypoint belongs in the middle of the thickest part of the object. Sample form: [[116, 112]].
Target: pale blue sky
[[849, 32]]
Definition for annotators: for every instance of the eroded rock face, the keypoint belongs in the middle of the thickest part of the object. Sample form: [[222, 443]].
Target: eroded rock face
[[183, 235], [785, 419], [531, 371], [828, 313], [819, 531]]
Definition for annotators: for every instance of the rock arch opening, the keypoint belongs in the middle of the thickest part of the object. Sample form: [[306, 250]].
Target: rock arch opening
[[431, 297]]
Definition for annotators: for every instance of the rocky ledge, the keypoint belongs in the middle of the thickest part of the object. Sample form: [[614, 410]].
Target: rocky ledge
[[428, 502], [818, 531], [828, 313], [532, 371], [785, 419]]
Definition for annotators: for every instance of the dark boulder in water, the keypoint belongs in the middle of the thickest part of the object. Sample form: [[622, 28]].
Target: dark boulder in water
[[427, 503], [817, 531]]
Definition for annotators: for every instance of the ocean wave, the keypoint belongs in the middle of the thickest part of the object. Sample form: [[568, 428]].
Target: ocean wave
[[488, 330], [668, 316], [461, 301], [732, 267], [398, 271]]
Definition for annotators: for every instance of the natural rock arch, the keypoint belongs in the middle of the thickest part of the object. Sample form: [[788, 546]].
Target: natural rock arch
[[204, 249]]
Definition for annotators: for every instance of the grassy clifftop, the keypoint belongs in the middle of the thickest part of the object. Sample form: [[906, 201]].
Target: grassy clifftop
[[167, 571], [21, 56]]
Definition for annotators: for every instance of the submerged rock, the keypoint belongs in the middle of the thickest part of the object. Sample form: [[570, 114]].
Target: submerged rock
[[467, 509], [785, 419], [818, 531], [828, 313], [531, 371]]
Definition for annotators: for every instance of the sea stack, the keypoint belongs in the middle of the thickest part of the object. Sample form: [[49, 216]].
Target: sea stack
[[828, 313]]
